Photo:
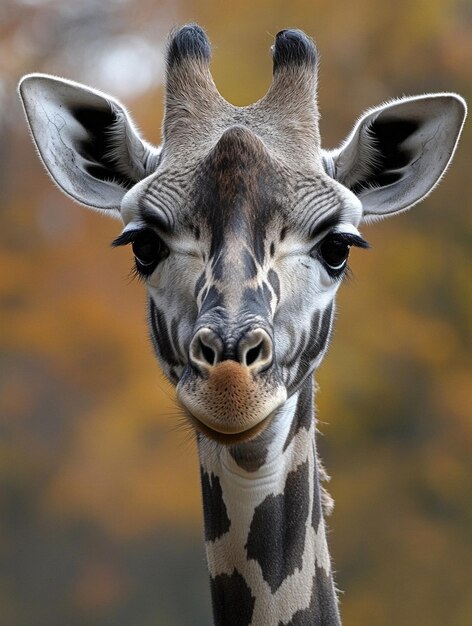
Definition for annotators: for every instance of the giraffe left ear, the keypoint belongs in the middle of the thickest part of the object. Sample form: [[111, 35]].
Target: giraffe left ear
[[86, 140], [397, 153]]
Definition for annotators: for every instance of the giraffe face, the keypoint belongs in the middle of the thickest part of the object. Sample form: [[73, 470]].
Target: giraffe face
[[242, 272], [240, 223]]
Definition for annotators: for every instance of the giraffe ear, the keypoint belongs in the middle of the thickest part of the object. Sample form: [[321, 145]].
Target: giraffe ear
[[86, 140], [397, 153]]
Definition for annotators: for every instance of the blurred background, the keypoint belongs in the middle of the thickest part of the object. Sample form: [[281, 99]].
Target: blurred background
[[100, 519]]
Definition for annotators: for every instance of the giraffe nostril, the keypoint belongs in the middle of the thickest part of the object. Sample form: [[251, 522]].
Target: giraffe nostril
[[206, 350], [255, 350], [208, 353], [253, 354]]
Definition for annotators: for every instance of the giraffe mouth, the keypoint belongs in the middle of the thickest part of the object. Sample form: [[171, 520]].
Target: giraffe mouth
[[231, 405], [226, 438]]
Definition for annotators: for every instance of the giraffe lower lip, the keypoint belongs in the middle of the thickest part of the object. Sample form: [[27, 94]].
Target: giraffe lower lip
[[229, 438]]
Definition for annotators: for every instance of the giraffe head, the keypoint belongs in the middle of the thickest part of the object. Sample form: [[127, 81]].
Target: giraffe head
[[240, 224]]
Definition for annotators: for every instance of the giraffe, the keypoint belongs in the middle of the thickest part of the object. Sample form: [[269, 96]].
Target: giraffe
[[241, 225]]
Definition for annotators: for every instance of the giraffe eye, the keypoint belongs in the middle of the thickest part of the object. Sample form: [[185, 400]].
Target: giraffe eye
[[148, 250], [334, 252]]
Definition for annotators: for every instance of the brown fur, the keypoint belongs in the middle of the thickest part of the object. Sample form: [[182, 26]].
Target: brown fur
[[230, 401]]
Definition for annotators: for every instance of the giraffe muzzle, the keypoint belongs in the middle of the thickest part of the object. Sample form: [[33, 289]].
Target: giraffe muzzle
[[231, 399]]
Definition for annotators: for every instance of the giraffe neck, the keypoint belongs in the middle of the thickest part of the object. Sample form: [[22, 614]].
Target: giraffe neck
[[264, 526]]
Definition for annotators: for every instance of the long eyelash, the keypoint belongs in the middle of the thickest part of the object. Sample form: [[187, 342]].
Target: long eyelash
[[135, 274], [352, 240], [337, 275], [347, 274], [125, 238]]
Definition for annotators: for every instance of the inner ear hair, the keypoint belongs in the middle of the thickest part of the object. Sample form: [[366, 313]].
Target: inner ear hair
[[103, 146], [385, 152]]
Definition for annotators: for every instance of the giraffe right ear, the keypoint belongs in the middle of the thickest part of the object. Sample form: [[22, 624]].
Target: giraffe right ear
[[86, 140], [397, 153]]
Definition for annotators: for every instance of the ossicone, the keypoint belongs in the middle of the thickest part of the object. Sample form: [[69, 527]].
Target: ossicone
[[293, 48], [192, 99], [295, 69], [188, 42]]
